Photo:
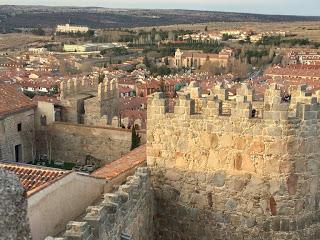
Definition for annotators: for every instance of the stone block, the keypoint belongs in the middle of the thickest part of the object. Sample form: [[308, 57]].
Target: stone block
[[275, 224], [219, 179], [78, 231]]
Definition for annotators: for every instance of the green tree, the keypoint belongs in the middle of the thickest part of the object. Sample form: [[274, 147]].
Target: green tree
[[101, 77], [55, 90], [146, 61], [135, 138]]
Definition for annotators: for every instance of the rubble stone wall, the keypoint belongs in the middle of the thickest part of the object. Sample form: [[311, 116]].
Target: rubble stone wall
[[73, 142], [100, 110], [237, 175], [13, 208], [89, 102]]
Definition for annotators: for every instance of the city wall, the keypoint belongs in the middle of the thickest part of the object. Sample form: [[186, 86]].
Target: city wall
[[74, 142], [126, 212], [244, 173], [89, 102]]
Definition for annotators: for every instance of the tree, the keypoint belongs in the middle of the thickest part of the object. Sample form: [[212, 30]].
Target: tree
[[146, 61], [213, 68], [225, 37], [101, 77], [206, 29], [135, 138]]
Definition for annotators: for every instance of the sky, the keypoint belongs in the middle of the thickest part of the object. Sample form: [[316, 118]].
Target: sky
[[288, 7]]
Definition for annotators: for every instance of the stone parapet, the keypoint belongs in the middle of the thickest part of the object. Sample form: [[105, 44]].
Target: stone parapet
[[273, 108], [243, 175], [126, 211]]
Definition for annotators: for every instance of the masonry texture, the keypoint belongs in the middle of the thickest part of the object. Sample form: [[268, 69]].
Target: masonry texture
[[128, 211], [73, 142], [223, 171], [13, 208], [89, 102], [11, 137]]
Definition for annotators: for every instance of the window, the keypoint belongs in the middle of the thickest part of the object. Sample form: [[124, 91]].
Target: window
[[19, 127]]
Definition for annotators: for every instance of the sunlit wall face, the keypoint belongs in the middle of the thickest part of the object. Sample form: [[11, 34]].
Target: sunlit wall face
[[292, 7]]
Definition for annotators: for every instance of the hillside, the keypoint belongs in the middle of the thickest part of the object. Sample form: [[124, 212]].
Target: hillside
[[42, 16]]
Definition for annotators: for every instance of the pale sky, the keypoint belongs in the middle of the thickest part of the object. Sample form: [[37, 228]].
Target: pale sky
[[289, 7]]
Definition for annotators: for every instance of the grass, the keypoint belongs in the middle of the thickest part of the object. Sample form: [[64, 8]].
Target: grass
[[65, 166]]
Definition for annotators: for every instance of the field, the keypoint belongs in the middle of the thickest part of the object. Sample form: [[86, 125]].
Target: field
[[18, 41]]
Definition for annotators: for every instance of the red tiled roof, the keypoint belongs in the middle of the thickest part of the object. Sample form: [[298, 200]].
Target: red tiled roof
[[12, 101], [129, 161], [34, 178]]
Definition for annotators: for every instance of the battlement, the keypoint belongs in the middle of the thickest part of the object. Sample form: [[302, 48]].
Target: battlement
[[106, 89], [189, 104], [116, 214], [247, 168]]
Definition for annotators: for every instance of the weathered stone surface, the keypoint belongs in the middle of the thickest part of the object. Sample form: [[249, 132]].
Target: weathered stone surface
[[269, 164], [219, 178], [13, 208], [292, 184], [103, 144], [119, 213], [231, 204]]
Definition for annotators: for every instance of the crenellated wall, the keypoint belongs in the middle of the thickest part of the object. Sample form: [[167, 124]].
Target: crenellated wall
[[89, 102], [128, 211], [100, 110], [240, 169]]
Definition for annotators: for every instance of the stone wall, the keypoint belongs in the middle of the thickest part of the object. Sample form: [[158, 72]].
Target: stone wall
[[10, 136], [236, 175], [128, 211], [100, 110], [73, 142], [88, 102], [13, 208]]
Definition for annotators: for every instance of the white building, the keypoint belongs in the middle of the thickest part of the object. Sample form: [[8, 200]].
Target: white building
[[67, 28]]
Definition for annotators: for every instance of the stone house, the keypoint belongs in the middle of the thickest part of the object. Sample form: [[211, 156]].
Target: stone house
[[17, 128]]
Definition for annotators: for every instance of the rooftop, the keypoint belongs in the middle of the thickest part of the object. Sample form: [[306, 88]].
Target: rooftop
[[34, 178], [12, 101], [127, 162]]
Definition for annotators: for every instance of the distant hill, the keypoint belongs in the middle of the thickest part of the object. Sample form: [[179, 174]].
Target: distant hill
[[42, 16]]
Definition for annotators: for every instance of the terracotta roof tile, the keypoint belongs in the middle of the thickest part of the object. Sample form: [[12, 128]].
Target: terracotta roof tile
[[12, 101], [34, 178], [127, 162]]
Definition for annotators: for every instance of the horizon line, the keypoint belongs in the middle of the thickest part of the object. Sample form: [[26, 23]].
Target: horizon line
[[177, 9]]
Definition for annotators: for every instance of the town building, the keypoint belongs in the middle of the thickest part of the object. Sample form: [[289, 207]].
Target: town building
[[308, 57], [17, 125], [68, 28], [196, 59]]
